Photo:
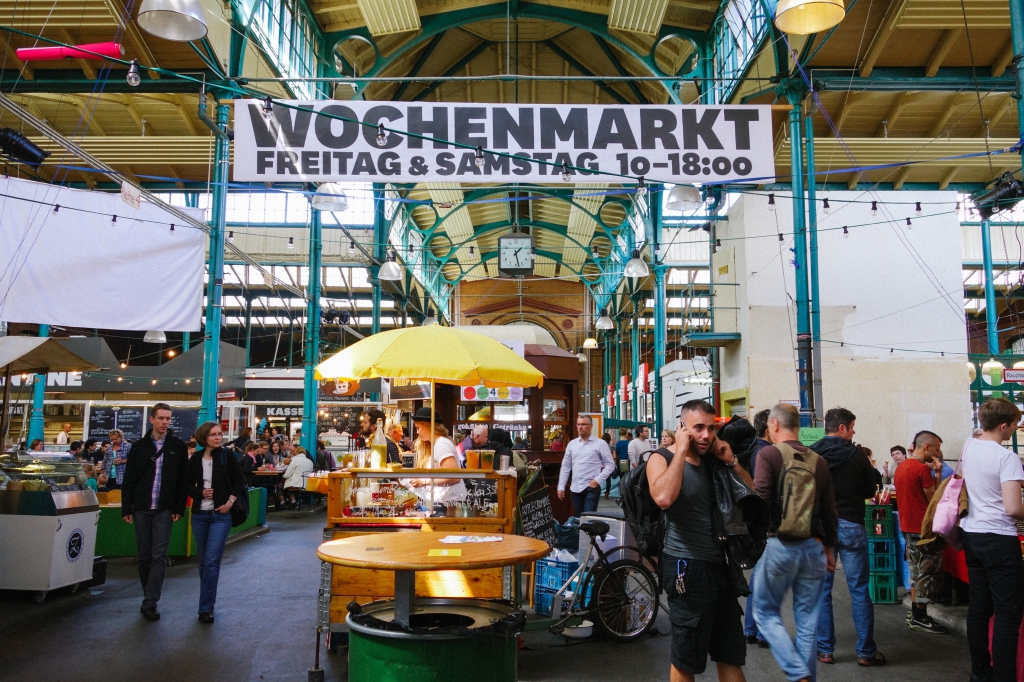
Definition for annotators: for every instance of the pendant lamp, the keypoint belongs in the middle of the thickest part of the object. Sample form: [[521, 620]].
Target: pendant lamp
[[179, 20], [684, 198], [800, 17], [390, 270], [636, 267], [604, 322], [330, 196], [155, 337], [590, 343]]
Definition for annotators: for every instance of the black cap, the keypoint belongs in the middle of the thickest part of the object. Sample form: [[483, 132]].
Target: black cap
[[423, 415]]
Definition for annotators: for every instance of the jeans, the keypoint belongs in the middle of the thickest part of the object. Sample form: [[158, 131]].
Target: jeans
[[997, 587], [800, 566], [585, 501], [152, 537], [749, 626], [210, 530], [853, 550]]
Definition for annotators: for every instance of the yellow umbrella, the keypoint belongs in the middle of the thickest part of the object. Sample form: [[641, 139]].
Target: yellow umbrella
[[435, 353]]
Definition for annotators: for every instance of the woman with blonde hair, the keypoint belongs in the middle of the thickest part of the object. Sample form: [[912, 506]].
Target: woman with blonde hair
[[436, 451], [668, 439]]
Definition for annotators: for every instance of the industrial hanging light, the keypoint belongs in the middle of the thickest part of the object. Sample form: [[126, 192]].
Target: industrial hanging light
[[1006, 192], [802, 17], [604, 322], [581, 356], [684, 198], [390, 270], [590, 343], [992, 372], [133, 78], [429, 320], [179, 20], [20, 147], [636, 267], [155, 337], [331, 197]]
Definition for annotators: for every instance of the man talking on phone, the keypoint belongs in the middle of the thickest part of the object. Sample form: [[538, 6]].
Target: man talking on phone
[[703, 607]]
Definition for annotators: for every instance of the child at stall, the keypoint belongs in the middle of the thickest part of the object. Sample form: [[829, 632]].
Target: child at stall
[[90, 477]]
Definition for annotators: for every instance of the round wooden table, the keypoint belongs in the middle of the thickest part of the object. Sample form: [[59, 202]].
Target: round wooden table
[[406, 553]]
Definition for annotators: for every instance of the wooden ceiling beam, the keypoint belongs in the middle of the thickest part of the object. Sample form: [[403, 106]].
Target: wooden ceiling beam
[[947, 112], [27, 72], [191, 122], [1003, 59], [849, 100], [336, 7], [995, 117], [133, 111], [948, 177], [949, 38], [901, 177], [881, 37], [88, 66], [889, 122]]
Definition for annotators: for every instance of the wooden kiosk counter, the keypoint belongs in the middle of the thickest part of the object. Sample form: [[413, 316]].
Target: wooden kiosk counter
[[366, 501]]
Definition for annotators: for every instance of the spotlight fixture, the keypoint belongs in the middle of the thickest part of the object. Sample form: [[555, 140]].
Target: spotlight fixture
[[429, 320], [771, 202], [566, 177], [917, 209], [330, 197], [231, 236], [382, 135], [604, 322], [1004, 193], [479, 159], [636, 267], [291, 242], [718, 243], [471, 252], [685, 198], [133, 78], [641, 187], [268, 108], [390, 270], [874, 208], [825, 208]]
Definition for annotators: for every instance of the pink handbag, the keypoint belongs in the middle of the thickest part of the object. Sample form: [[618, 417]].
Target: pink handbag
[[946, 521]]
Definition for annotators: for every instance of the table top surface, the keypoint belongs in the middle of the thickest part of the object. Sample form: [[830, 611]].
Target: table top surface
[[411, 552], [276, 472]]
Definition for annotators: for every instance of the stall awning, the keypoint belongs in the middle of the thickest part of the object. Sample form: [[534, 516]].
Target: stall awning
[[35, 355]]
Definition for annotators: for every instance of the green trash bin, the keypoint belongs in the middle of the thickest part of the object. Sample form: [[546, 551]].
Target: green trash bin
[[449, 640]]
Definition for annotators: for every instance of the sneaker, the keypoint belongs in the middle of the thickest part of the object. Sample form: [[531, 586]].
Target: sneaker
[[877, 660], [150, 613], [826, 658], [205, 617], [751, 639], [763, 644], [926, 624], [910, 617]]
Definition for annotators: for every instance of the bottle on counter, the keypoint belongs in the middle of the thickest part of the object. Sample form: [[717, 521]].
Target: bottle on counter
[[379, 448]]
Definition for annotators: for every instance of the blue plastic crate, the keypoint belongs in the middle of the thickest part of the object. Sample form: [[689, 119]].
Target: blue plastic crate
[[881, 562], [554, 574], [881, 545], [543, 598]]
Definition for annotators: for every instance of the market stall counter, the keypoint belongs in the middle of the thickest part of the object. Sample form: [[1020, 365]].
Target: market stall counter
[[365, 501]]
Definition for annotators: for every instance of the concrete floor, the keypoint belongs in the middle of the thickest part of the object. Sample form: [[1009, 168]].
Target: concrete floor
[[265, 630]]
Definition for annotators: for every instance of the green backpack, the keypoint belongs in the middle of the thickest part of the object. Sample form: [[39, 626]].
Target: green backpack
[[797, 493]]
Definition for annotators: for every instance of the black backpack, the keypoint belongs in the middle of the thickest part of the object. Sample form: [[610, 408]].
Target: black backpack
[[645, 518]]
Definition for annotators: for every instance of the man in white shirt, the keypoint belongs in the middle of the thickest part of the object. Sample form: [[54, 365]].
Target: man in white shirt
[[589, 460], [639, 446], [64, 437]]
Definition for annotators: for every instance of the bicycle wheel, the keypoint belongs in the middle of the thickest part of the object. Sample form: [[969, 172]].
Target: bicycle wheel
[[624, 602]]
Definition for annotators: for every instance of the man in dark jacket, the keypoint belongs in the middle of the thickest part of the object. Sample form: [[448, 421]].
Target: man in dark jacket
[[853, 479], [153, 497]]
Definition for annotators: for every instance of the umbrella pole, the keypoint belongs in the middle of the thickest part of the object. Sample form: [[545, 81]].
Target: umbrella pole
[[5, 418], [430, 462]]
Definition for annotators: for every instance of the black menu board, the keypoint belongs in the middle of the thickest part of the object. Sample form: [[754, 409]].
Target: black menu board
[[184, 421], [130, 420], [538, 518]]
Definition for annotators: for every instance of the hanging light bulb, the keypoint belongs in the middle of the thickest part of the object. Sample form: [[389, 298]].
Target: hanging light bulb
[[113, 219], [581, 356], [479, 160], [909, 224], [718, 243], [188, 381], [566, 177], [172, 229], [636, 267], [124, 365], [390, 270], [382, 135], [781, 239], [590, 342], [594, 252], [846, 231], [825, 208], [171, 353], [604, 322], [268, 108], [874, 208], [771, 202], [917, 209], [641, 187], [120, 378], [351, 248], [56, 208], [471, 252], [231, 236], [291, 242], [684, 198], [133, 78]]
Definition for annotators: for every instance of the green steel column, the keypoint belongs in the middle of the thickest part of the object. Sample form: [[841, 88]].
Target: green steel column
[[606, 372], [618, 370], [812, 223], [248, 330], [36, 424], [634, 347], [660, 341], [186, 341], [215, 285], [310, 386], [991, 317], [1017, 31], [803, 327], [380, 242]]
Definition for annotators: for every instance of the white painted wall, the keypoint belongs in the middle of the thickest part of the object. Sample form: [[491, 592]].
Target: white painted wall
[[884, 286]]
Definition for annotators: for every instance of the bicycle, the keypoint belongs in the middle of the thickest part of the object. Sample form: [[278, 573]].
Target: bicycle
[[620, 597]]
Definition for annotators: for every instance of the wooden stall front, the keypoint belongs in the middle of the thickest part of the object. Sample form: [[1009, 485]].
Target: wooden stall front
[[347, 515]]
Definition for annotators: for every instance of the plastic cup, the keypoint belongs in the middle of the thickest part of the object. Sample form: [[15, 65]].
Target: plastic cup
[[504, 462], [473, 459], [487, 459]]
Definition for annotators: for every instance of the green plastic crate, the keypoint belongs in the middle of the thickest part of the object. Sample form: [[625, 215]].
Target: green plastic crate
[[877, 512], [879, 563], [883, 587], [880, 529]]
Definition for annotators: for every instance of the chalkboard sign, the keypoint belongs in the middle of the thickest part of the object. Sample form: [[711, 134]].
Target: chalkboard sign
[[130, 420], [481, 492], [538, 519], [184, 421]]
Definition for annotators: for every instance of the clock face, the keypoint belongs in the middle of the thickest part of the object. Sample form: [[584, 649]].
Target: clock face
[[515, 254]]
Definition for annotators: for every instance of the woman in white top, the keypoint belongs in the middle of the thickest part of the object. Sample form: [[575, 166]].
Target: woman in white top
[[436, 451], [993, 476]]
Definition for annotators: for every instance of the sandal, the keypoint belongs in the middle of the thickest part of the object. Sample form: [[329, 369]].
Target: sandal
[[877, 660], [826, 658]]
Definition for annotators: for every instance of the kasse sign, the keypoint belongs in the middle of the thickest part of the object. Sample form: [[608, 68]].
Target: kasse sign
[[330, 141]]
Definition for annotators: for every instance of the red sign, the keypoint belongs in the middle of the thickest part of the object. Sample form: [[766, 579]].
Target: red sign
[[645, 380], [227, 395], [611, 395], [624, 388]]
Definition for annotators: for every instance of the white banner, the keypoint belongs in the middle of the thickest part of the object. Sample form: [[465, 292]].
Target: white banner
[[322, 141], [65, 261]]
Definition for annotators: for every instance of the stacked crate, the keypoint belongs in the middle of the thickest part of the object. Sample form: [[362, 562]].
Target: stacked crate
[[551, 575], [882, 557]]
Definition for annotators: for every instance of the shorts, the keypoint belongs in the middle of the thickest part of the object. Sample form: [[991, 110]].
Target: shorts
[[925, 565], [707, 620]]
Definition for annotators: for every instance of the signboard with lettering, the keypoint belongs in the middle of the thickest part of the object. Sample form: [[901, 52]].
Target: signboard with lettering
[[184, 421], [484, 394], [306, 141], [538, 518], [407, 389], [131, 421]]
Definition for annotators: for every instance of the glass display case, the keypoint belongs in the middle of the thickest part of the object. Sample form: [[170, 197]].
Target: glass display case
[[22, 471], [556, 423], [418, 493]]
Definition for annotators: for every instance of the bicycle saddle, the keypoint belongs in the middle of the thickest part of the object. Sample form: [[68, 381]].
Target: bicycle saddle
[[592, 528]]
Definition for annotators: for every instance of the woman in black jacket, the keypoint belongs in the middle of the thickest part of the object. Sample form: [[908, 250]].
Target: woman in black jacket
[[215, 482]]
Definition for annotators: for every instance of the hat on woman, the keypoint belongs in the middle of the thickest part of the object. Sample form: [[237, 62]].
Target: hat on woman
[[423, 415]]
